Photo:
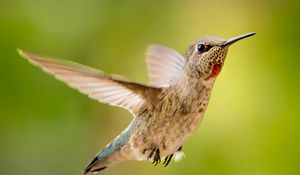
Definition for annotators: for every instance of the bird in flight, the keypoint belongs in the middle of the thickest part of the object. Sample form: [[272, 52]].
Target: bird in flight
[[165, 113]]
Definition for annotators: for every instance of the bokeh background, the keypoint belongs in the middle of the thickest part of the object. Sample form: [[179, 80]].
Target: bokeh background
[[251, 125]]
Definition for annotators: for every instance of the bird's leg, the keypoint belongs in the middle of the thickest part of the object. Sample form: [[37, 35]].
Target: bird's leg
[[179, 149], [169, 158], [156, 159], [151, 153], [155, 156]]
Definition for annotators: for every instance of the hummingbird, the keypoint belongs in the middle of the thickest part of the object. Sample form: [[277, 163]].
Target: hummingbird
[[166, 112]]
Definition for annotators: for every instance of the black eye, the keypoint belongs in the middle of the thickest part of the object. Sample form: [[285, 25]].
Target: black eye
[[203, 48], [200, 47]]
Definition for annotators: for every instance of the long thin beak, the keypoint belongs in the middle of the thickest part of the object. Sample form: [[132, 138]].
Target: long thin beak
[[235, 39]]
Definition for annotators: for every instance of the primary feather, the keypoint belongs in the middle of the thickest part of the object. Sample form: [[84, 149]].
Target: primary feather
[[94, 83]]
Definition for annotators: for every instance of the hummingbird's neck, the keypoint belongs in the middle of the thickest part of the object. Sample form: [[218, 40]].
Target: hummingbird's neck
[[187, 85]]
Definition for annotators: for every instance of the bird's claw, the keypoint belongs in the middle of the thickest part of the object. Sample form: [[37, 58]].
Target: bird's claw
[[156, 156], [167, 160]]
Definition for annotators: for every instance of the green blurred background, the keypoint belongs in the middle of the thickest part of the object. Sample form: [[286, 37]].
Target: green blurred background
[[251, 125]]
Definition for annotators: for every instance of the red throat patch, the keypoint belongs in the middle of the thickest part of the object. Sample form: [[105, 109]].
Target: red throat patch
[[216, 70]]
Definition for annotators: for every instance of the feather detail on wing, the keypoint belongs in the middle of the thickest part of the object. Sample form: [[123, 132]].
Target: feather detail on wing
[[163, 64], [94, 83]]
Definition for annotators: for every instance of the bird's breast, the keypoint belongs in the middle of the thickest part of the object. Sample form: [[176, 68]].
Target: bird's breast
[[168, 123]]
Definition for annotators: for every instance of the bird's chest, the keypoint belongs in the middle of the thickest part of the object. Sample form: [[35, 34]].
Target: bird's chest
[[181, 120], [169, 122]]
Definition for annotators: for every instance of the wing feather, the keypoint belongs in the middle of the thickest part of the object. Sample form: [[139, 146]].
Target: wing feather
[[94, 83], [163, 64]]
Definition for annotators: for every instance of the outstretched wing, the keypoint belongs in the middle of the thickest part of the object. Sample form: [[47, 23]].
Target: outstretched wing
[[95, 84], [163, 64]]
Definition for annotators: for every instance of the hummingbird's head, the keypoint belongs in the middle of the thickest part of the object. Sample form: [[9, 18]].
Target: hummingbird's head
[[206, 55]]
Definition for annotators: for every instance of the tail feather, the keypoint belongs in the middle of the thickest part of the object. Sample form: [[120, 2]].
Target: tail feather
[[100, 163], [92, 166], [114, 152]]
